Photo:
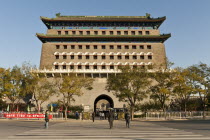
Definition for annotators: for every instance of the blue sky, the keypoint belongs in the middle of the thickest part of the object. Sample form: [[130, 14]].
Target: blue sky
[[188, 21]]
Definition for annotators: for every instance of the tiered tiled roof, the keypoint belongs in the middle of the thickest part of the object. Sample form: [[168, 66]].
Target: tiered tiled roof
[[45, 37], [67, 19]]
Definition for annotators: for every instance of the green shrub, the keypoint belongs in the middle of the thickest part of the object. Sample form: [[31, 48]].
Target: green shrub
[[71, 116], [139, 116]]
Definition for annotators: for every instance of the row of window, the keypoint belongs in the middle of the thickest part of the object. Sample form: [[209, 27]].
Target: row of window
[[105, 47], [103, 32], [106, 27], [96, 67], [111, 57]]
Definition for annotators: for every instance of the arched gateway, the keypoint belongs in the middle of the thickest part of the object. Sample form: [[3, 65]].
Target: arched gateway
[[103, 102]]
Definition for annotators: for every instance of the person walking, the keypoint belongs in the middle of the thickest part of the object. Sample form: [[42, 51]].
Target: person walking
[[93, 116], [127, 118], [102, 115], [111, 118], [46, 119], [115, 115], [105, 115]]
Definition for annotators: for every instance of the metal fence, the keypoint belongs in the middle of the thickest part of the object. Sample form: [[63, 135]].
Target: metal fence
[[56, 115], [177, 115]]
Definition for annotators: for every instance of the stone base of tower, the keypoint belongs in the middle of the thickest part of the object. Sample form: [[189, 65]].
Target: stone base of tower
[[92, 99]]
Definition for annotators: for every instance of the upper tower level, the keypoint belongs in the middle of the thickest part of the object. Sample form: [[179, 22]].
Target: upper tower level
[[103, 28], [103, 22], [99, 45]]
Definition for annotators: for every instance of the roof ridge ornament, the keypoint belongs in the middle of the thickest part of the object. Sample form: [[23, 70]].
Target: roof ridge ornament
[[147, 15], [58, 14]]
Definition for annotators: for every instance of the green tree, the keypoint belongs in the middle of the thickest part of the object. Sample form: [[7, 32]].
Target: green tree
[[13, 85], [42, 91], [193, 104], [161, 91], [131, 86], [149, 106], [2, 77], [40, 88], [200, 80], [3, 104], [182, 87], [71, 86]]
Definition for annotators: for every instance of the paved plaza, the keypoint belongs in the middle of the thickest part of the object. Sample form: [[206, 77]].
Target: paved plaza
[[83, 130]]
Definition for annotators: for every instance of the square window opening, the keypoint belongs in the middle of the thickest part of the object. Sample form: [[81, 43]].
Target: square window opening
[[111, 47], [95, 46], [103, 47], [87, 57], [149, 47], [141, 47], [87, 46], [95, 57], [80, 46], [72, 47], [134, 47], [65, 46], [79, 56], [57, 57], [103, 57], [127, 57], [119, 47], [56, 67], [57, 46]]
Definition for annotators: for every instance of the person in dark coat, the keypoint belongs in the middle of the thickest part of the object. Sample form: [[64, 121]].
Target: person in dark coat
[[115, 115], [46, 119], [127, 118], [77, 115], [111, 118], [93, 116]]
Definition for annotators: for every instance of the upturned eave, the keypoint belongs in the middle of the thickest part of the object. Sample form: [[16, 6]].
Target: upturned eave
[[44, 37]]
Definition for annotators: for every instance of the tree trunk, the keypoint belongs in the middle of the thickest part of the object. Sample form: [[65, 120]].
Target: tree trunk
[[17, 109], [13, 106], [185, 109], [39, 106], [163, 107], [65, 112], [164, 110], [132, 112], [204, 108]]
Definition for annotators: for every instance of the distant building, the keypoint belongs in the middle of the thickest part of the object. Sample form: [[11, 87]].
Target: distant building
[[95, 46]]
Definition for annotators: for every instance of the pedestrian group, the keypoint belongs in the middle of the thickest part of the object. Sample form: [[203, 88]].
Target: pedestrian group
[[111, 117]]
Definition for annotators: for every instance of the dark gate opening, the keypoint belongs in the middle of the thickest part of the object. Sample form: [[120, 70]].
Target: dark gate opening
[[103, 97]]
